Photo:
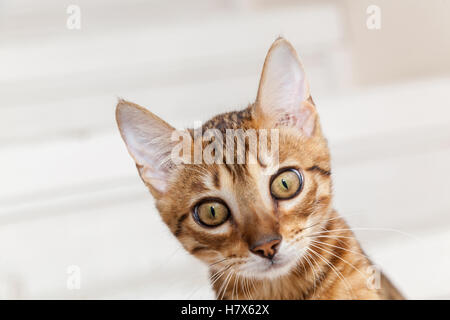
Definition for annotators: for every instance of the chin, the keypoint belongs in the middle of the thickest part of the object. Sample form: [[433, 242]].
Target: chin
[[284, 263]]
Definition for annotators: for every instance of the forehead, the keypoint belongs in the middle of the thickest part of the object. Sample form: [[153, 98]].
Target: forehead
[[242, 119]]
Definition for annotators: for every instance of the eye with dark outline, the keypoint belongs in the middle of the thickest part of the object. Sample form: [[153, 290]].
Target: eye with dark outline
[[286, 184], [211, 213]]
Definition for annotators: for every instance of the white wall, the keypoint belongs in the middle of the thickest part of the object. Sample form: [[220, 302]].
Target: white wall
[[70, 194]]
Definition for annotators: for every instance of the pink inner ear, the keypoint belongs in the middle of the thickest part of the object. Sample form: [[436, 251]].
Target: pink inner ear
[[284, 91], [302, 118], [309, 124]]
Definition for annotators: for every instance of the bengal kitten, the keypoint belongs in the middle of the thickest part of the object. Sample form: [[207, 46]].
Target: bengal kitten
[[263, 237]]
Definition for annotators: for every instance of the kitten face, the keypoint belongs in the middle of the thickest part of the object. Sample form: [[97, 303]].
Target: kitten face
[[255, 214], [236, 217]]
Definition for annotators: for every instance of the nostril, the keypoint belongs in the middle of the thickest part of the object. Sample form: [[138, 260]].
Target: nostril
[[275, 246], [266, 249]]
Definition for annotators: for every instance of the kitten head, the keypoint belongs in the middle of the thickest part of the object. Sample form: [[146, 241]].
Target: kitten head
[[241, 216]]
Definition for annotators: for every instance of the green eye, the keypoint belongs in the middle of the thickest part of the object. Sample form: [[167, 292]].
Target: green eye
[[286, 184], [211, 213]]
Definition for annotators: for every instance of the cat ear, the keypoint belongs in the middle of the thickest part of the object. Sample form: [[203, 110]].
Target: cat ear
[[283, 94], [148, 139]]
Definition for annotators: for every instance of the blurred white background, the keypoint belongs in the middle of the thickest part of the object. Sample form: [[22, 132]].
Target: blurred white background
[[70, 194]]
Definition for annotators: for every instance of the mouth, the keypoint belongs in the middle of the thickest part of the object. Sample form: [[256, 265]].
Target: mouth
[[276, 264], [270, 269]]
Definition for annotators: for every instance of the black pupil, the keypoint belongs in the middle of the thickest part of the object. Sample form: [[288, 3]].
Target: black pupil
[[213, 212], [284, 183]]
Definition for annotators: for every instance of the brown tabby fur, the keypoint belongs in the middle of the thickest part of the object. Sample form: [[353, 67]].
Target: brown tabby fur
[[334, 265]]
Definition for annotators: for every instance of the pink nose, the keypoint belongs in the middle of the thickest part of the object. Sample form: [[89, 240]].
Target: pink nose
[[266, 249]]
